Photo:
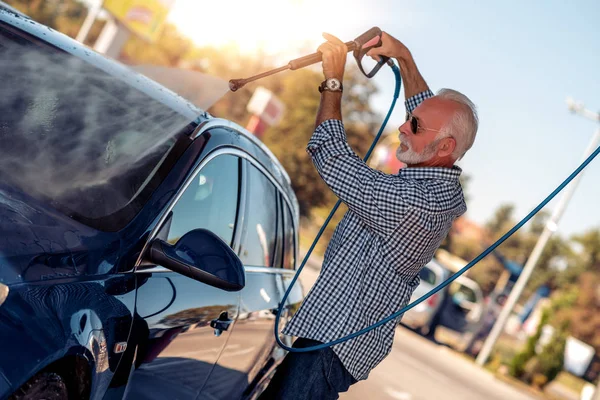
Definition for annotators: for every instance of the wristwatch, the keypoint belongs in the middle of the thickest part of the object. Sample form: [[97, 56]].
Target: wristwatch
[[331, 84]]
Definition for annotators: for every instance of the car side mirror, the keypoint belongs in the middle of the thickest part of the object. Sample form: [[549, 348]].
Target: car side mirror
[[203, 256]]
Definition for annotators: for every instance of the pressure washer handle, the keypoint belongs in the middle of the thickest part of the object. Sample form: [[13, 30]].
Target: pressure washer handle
[[365, 42], [369, 39], [359, 46]]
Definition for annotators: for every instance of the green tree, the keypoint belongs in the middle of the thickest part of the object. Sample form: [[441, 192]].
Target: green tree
[[500, 221], [169, 49], [590, 242], [519, 362], [552, 357], [584, 316]]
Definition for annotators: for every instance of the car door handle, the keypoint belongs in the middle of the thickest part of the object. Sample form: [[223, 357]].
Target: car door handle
[[221, 324]]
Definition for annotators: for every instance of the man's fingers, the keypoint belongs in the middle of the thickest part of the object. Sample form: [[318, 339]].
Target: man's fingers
[[326, 47], [333, 48], [337, 43], [374, 55], [331, 38]]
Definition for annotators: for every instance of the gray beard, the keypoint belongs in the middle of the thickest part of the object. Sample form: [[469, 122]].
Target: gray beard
[[411, 157]]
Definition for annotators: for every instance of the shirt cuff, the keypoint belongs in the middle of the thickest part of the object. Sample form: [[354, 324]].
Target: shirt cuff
[[412, 102], [329, 129]]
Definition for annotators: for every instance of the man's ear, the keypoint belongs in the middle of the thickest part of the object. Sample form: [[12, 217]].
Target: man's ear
[[446, 147]]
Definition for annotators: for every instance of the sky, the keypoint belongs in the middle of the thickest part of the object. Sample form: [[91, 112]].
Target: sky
[[517, 61]]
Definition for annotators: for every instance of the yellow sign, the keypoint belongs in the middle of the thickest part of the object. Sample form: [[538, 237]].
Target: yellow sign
[[145, 18]]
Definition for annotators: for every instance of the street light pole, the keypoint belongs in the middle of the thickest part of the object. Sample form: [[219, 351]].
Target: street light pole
[[549, 229]]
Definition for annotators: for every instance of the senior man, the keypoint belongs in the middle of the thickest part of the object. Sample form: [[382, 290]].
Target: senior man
[[394, 225]]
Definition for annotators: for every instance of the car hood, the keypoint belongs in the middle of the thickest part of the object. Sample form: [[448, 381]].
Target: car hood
[[38, 243]]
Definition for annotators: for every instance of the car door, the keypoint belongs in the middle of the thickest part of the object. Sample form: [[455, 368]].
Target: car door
[[252, 343], [181, 347], [463, 308]]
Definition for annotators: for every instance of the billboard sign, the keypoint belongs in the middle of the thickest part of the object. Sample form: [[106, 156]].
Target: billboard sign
[[145, 18]]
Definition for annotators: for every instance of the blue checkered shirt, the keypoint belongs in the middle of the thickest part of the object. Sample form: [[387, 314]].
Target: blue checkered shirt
[[393, 226]]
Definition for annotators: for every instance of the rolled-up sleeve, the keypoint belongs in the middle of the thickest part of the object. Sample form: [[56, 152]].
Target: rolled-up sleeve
[[413, 102], [372, 195]]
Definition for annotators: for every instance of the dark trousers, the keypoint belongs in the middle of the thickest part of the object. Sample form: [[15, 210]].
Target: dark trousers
[[312, 375]]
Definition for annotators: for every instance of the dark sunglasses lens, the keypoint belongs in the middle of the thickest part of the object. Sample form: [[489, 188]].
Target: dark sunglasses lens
[[413, 125]]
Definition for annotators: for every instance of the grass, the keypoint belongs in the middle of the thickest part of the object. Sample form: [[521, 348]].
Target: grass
[[570, 381]]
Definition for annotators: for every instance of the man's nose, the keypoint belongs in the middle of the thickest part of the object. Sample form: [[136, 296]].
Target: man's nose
[[405, 128]]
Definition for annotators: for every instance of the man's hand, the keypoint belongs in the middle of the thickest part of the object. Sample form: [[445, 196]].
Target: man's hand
[[334, 57], [390, 47], [411, 77]]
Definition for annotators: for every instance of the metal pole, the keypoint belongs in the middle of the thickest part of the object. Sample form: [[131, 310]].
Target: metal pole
[[549, 229], [92, 14]]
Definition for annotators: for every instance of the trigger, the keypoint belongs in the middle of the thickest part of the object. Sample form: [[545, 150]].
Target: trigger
[[371, 42]]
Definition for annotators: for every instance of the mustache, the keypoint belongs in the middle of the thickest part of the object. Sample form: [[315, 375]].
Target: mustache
[[404, 141]]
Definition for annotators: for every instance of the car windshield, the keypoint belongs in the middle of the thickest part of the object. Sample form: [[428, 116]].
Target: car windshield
[[77, 137]]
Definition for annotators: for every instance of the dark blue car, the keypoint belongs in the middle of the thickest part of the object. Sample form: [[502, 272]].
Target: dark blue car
[[144, 244]]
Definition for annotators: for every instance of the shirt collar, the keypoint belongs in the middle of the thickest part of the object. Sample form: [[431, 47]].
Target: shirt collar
[[452, 174]]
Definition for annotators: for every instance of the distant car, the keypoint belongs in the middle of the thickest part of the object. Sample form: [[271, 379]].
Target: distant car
[[144, 244], [462, 312], [424, 316], [458, 307]]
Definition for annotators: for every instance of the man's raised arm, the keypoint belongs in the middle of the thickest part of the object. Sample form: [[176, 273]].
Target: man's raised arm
[[415, 88]]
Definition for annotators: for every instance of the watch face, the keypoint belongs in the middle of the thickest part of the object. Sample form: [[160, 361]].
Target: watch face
[[333, 84]]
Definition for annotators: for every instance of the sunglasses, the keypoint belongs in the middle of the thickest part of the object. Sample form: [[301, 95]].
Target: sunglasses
[[415, 126]]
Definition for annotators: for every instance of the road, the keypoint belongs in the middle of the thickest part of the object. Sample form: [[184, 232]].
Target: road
[[418, 369]]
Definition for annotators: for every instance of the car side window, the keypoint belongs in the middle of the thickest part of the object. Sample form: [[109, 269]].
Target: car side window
[[427, 275], [289, 249], [278, 258], [210, 201], [259, 242]]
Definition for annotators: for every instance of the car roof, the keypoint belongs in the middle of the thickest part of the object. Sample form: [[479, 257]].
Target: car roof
[[462, 279]]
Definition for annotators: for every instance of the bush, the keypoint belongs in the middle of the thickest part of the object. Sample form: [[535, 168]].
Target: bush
[[552, 357], [541, 369], [517, 366]]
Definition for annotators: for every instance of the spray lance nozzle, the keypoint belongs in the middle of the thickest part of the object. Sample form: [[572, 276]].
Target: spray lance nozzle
[[359, 47]]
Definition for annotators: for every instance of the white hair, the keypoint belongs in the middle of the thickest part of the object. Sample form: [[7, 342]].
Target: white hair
[[464, 124]]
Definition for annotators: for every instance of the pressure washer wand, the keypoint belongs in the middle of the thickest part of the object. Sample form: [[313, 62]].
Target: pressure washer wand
[[235, 84], [359, 46]]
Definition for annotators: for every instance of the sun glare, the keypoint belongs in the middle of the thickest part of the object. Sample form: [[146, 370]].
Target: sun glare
[[275, 27]]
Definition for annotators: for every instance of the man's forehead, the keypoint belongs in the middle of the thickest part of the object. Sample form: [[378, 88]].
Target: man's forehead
[[436, 106]]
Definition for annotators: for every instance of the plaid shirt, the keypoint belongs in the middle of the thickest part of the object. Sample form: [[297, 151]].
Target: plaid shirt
[[371, 267]]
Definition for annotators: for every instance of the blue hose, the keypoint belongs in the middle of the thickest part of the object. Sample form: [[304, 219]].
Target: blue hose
[[443, 284]]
